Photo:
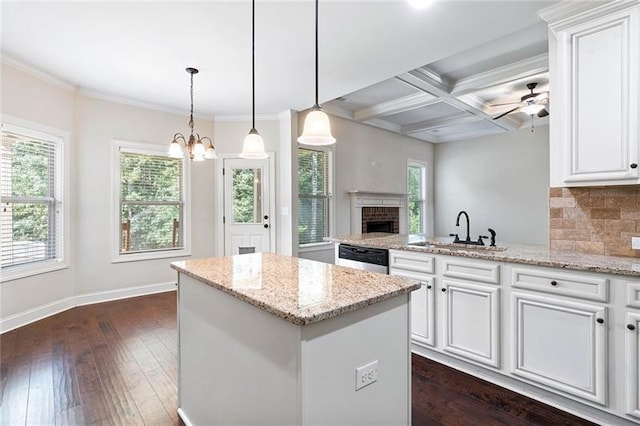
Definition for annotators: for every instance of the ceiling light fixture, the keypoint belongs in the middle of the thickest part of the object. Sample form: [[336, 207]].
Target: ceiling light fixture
[[253, 146], [532, 109], [195, 146], [420, 4], [317, 128]]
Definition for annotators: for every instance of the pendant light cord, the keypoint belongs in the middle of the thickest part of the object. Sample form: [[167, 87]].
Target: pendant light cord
[[253, 64], [316, 104]]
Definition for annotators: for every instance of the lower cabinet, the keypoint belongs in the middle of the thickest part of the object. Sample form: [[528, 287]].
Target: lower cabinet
[[471, 323], [560, 344], [632, 376], [422, 310]]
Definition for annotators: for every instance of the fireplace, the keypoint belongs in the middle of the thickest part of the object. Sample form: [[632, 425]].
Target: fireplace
[[367, 206]]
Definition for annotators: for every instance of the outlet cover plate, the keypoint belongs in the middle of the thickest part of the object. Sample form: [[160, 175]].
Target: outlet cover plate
[[366, 374]]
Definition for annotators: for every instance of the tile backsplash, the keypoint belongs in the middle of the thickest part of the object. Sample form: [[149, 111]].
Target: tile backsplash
[[595, 220]]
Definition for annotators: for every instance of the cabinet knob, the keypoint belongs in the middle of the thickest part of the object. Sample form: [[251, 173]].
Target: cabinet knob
[[631, 327], [634, 165], [600, 320], [554, 283], [266, 225], [429, 286], [444, 289]]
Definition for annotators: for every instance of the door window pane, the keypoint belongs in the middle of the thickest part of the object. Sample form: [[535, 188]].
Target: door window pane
[[247, 195]]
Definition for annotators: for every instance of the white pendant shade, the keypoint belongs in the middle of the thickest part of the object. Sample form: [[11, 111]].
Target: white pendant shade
[[175, 150], [210, 153], [253, 146], [317, 129], [199, 150]]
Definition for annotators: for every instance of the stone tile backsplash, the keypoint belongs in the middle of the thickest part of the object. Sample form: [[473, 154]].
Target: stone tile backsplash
[[595, 220]]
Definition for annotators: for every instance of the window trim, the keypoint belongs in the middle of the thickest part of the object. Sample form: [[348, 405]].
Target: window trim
[[423, 166], [146, 149], [41, 131], [320, 245]]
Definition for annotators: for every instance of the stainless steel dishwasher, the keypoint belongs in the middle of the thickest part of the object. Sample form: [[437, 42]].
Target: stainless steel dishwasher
[[363, 258]]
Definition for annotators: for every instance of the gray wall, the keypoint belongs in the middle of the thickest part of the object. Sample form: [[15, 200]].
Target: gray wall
[[501, 181]]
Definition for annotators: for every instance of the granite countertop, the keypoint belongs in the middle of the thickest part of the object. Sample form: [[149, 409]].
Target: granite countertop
[[515, 253], [297, 290]]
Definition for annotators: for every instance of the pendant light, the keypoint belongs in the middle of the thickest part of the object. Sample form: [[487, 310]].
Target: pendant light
[[195, 146], [253, 146], [317, 128]]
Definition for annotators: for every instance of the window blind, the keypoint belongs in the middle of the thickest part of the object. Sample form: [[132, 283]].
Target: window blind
[[314, 194], [151, 203], [30, 192]]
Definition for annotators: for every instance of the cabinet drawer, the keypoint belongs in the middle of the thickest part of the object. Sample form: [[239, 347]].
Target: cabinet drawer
[[633, 294], [411, 261], [561, 283], [488, 272]]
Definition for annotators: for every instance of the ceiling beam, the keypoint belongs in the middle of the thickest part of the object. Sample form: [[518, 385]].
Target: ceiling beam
[[439, 122], [394, 106]]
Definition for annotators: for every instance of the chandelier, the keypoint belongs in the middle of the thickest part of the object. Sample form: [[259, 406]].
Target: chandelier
[[194, 145]]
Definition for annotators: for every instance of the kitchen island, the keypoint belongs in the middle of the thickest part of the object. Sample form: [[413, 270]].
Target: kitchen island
[[271, 339]]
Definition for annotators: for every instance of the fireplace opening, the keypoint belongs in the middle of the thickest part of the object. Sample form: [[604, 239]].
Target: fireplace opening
[[380, 226]]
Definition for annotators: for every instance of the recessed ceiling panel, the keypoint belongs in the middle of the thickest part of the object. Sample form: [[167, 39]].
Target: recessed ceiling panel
[[378, 93], [425, 113], [460, 131]]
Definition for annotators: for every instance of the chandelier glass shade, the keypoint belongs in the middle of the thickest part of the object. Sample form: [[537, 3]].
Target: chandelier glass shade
[[194, 145]]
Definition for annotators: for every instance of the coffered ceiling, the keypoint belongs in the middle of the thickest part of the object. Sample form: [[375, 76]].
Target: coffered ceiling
[[456, 98]]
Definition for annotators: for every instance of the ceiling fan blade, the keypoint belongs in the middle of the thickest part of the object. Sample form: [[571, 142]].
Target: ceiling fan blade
[[508, 112], [543, 113], [541, 97], [508, 103]]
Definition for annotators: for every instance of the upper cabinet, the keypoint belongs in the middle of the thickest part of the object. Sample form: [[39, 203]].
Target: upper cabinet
[[594, 85]]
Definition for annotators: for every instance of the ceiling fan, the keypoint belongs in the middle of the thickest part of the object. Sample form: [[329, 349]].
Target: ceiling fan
[[531, 103]]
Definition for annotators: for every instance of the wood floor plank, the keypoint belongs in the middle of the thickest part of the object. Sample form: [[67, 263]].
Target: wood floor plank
[[116, 363]]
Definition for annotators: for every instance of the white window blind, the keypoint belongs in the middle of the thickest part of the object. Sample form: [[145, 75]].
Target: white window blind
[[417, 196], [31, 197], [151, 203], [314, 195]]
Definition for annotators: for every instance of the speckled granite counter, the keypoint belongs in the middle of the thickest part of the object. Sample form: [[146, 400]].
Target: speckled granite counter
[[514, 253], [297, 290]]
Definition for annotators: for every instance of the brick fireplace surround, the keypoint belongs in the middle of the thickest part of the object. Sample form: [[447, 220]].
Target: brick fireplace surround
[[376, 214], [594, 220]]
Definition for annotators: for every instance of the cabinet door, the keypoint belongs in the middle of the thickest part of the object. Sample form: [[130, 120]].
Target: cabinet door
[[471, 321], [422, 309], [632, 373], [597, 97], [560, 344]]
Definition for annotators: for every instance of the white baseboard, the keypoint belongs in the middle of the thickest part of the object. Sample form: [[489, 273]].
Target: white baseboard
[[23, 318]]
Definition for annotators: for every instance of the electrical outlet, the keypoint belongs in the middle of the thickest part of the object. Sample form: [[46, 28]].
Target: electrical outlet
[[366, 374], [635, 243]]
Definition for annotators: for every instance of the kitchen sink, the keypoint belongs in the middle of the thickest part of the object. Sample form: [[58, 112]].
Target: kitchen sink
[[454, 246]]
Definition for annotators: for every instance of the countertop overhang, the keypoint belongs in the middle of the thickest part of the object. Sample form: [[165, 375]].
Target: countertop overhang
[[515, 253], [299, 291]]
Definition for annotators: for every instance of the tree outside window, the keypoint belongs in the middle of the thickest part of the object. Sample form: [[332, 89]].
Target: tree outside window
[[416, 184]]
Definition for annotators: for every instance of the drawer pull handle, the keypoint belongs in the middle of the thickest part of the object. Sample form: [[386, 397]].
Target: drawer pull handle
[[600, 320], [444, 289], [631, 327], [554, 283]]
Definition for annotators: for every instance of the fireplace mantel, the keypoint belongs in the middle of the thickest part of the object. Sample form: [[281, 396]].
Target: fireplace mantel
[[360, 199]]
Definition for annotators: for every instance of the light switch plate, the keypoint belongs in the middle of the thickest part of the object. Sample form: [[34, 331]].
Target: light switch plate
[[635, 243]]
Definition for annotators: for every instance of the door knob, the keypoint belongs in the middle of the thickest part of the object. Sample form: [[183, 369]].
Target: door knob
[[266, 225]]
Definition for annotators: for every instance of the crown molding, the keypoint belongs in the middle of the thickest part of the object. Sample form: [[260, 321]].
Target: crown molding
[[37, 73], [571, 12]]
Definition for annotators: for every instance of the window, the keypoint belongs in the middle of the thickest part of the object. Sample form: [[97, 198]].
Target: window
[[150, 203], [314, 195], [32, 203], [416, 183]]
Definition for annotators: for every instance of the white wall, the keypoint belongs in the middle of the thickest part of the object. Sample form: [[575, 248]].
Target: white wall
[[29, 98], [500, 181], [371, 159]]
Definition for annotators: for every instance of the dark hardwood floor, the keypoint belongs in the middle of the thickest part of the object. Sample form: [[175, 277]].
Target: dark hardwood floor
[[116, 363]]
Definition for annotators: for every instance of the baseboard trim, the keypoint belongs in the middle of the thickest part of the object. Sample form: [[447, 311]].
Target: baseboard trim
[[23, 318], [184, 417]]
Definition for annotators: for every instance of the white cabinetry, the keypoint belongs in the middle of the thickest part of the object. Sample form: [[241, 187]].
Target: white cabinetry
[[419, 266], [471, 321], [632, 352], [595, 94]]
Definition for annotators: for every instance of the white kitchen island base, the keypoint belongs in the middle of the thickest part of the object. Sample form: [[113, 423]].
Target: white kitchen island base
[[239, 364]]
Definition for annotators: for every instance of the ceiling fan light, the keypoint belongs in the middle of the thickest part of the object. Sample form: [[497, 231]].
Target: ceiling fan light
[[175, 150], [317, 129], [253, 146], [532, 109]]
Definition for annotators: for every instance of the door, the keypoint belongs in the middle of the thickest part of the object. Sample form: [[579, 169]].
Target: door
[[560, 344], [471, 326], [247, 210]]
